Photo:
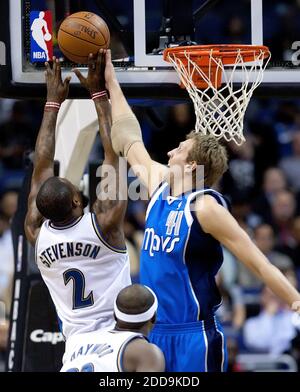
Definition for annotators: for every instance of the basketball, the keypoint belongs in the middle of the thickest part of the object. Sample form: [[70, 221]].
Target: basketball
[[82, 33]]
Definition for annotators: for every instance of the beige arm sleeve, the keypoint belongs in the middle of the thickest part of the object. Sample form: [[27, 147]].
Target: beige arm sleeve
[[125, 132]]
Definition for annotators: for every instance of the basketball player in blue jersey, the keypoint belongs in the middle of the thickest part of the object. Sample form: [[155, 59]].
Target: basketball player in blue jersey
[[81, 256], [186, 224]]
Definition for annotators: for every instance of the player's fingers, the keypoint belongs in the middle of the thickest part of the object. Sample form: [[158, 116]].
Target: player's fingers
[[108, 56], [91, 62], [67, 81], [47, 66], [101, 66], [100, 58], [58, 69], [54, 64], [79, 75]]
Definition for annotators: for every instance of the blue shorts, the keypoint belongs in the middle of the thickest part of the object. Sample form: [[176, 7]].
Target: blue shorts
[[192, 347]]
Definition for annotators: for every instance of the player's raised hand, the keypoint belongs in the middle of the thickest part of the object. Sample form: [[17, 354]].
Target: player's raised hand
[[109, 73], [57, 90], [94, 82]]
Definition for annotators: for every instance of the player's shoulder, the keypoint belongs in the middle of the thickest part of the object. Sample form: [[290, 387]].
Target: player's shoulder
[[140, 353], [208, 210], [205, 203], [137, 342]]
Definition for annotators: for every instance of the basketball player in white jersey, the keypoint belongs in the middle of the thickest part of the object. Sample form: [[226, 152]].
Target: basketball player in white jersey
[[82, 257], [124, 348]]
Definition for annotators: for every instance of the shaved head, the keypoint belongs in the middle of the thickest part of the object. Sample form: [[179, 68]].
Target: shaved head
[[135, 299], [54, 199]]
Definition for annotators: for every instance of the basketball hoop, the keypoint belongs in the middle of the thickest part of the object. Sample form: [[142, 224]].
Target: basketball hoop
[[209, 72]]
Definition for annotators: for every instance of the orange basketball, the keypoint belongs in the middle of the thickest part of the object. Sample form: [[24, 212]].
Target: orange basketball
[[82, 33]]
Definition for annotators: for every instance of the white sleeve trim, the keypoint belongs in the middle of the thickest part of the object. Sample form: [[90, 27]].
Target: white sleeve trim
[[187, 211], [155, 196]]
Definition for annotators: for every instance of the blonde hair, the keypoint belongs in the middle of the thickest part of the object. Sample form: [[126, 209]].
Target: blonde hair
[[207, 151]]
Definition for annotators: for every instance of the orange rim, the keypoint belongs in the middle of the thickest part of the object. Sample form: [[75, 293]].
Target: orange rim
[[227, 53], [202, 55]]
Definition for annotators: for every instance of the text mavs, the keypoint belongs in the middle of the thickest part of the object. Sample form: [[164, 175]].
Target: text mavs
[[155, 243], [68, 249]]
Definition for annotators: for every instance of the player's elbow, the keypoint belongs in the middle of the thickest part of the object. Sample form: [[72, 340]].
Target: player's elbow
[[125, 132]]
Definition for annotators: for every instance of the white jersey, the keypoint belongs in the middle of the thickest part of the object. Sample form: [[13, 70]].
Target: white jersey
[[83, 273], [99, 351]]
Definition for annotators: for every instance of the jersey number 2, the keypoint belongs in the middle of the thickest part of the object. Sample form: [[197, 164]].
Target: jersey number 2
[[79, 300]]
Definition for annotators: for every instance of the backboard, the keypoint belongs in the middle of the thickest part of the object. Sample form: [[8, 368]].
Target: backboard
[[140, 30]]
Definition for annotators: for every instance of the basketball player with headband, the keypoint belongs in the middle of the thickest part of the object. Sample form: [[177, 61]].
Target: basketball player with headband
[[187, 222], [81, 256], [124, 348]]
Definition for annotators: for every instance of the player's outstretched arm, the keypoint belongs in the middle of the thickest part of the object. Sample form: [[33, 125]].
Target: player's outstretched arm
[[218, 222], [141, 356], [57, 92], [126, 134], [110, 206]]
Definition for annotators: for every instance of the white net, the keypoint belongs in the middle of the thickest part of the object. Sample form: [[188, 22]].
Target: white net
[[220, 110]]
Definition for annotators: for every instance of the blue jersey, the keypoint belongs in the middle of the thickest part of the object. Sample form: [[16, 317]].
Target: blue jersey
[[179, 260]]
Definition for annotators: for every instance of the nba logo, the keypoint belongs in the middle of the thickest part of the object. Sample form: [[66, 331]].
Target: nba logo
[[41, 47]]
